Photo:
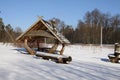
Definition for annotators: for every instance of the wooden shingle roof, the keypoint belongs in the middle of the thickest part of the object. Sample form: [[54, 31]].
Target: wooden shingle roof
[[42, 28]]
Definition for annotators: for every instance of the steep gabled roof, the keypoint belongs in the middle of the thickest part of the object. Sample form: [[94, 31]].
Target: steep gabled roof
[[42, 28]]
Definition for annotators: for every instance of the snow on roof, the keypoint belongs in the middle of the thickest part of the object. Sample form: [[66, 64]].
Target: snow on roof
[[47, 26]]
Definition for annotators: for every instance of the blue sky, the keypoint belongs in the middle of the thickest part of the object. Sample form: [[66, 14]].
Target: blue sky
[[23, 13]]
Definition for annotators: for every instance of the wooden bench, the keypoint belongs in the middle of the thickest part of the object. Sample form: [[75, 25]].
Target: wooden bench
[[114, 58], [56, 57]]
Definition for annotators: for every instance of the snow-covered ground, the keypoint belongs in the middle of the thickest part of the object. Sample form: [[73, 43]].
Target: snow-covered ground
[[89, 63]]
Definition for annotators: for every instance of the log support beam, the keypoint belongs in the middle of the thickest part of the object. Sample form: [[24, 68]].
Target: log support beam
[[62, 50], [32, 52], [53, 49]]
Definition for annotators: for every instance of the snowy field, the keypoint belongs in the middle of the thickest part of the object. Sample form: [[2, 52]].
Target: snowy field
[[89, 63]]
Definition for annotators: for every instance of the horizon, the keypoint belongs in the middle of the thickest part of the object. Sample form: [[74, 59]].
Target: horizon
[[23, 13]]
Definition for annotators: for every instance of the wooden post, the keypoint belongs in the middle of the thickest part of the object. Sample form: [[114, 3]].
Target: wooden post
[[62, 50], [38, 45], [32, 52], [53, 49], [45, 41], [117, 47]]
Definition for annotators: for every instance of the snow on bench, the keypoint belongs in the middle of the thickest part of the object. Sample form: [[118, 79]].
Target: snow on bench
[[56, 57], [51, 55]]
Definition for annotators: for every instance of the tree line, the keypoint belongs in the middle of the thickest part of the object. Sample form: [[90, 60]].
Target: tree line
[[87, 31], [7, 33]]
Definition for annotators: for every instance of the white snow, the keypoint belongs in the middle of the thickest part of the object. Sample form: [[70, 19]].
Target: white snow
[[52, 55], [89, 63]]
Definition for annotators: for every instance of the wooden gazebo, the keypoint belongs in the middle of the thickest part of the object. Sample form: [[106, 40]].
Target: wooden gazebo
[[42, 29]]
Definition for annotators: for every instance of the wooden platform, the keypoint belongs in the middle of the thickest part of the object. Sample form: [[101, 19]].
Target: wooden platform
[[56, 57]]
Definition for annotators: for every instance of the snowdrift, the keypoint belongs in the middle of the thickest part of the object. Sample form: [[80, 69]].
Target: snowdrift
[[89, 63]]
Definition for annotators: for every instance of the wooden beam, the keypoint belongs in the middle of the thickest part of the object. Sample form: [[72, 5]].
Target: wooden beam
[[40, 33], [62, 50], [53, 49], [32, 52]]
